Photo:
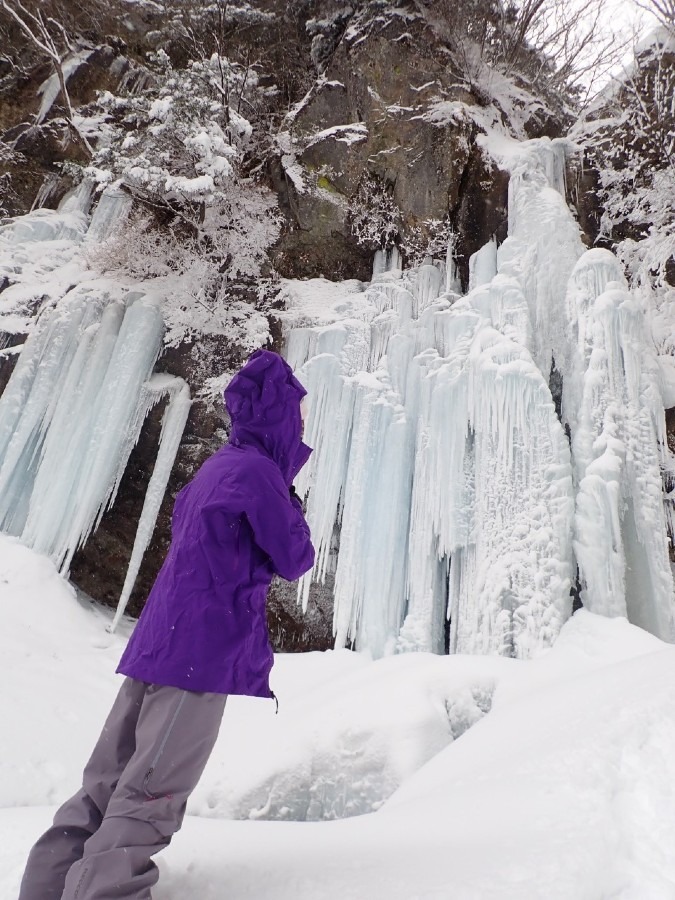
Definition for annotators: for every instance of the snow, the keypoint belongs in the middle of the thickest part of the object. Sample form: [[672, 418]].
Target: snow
[[353, 133], [471, 777], [50, 89]]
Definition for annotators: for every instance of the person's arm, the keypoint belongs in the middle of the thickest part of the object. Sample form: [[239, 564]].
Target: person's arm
[[279, 526]]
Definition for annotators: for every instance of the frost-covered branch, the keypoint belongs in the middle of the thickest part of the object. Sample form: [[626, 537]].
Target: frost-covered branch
[[633, 149], [203, 224]]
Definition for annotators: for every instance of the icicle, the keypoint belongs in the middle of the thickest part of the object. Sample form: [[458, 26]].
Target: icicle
[[79, 199], [173, 425], [49, 184], [328, 431], [612, 403], [386, 261], [71, 414], [112, 208], [440, 462], [483, 264], [453, 283], [370, 576], [50, 89], [116, 423], [426, 288]]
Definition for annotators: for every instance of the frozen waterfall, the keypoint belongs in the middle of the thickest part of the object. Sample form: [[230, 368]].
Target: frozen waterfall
[[443, 492], [612, 403], [82, 386]]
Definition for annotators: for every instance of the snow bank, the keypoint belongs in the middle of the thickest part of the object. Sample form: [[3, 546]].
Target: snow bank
[[563, 790]]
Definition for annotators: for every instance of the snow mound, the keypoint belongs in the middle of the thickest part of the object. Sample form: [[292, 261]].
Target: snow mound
[[563, 790]]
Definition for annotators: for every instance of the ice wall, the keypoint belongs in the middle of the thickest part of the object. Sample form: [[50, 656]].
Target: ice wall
[[71, 414], [77, 398], [442, 484], [613, 406]]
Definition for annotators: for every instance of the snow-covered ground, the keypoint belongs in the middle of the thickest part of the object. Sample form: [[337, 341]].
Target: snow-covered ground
[[463, 777]]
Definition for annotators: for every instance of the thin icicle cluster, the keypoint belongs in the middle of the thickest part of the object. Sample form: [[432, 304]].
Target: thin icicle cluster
[[173, 425], [71, 414], [442, 483]]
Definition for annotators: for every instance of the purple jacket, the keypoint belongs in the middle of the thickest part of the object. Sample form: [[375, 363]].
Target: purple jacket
[[234, 526]]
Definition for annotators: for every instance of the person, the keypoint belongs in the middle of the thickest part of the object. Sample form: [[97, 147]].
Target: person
[[201, 636]]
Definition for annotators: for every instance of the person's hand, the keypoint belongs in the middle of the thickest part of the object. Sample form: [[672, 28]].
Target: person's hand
[[294, 493]]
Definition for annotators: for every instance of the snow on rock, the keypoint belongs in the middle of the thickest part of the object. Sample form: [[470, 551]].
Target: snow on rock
[[50, 89], [352, 133]]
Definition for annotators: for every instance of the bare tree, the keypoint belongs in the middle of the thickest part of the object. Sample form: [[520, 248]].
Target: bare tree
[[664, 10], [552, 43], [50, 38], [632, 145]]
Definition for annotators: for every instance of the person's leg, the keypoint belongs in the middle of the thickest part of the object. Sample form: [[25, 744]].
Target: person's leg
[[80, 816], [175, 734]]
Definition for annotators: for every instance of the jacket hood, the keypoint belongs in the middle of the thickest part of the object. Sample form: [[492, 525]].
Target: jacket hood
[[263, 402]]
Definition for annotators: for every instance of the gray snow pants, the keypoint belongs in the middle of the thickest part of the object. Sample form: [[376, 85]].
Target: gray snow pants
[[147, 761]]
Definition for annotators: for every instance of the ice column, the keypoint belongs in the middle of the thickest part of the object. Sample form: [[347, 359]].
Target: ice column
[[511, 595], [492, 496], [370, 577], [614, 409], [113, 207], [483, 265], [173, 425], [542, 248], [442, 477]]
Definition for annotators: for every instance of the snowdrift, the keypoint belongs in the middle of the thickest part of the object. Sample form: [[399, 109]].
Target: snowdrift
[[463, 777]]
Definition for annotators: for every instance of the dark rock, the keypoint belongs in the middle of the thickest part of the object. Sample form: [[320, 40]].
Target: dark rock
[[384, 110], [582, 186], [55, 141], [291, 629], [481, 210], [20, 180]]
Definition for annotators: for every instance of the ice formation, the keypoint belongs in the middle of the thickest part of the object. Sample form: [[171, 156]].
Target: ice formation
[[82, 386], [442, 492], [173, 425], [613, 405], [451, 501]]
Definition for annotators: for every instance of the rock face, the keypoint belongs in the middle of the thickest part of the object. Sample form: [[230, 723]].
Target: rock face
[[386, 110], [374, 102]]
